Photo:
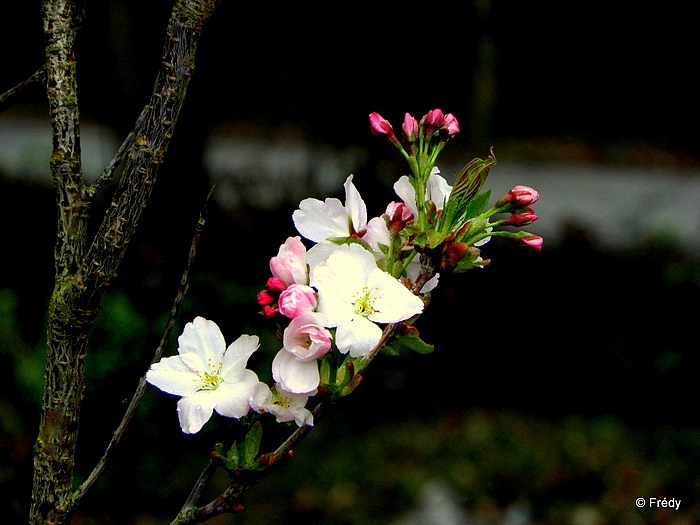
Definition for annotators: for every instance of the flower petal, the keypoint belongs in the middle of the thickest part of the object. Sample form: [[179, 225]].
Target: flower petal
[[437, 189], [295, 376], [377, 233], [171, 375], [195, 410], [357, 335], [338, 279], [202, 337], [393, 301], [237, 354], [355, 207], [318, 221], [407, 192], [233, 399]]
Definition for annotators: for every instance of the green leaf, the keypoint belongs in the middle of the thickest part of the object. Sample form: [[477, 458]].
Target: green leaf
[[229, 458], [412, 341], [470, 180], [477, 205], [390, 349], [252, 444]]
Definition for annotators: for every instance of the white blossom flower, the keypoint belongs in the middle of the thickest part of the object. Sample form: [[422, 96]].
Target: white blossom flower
[[437, 190], [355, 295], [284, 405], [321, 220], [207, 375]]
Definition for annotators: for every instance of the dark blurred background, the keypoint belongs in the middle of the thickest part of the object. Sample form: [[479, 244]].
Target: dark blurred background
[[563, 383]]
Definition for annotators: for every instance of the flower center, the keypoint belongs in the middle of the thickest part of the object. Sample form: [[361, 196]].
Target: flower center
[[281, 400], [364, 301], [211, 378]]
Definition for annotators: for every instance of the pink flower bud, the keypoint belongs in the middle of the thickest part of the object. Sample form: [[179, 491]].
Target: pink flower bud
[[521, 219], [289, 265], [265, 298], [269, 312], [519, 196], [534, 241], [398, 211], [451, 125], [275, 284], [410, 128], [306, 338], [381, 127], [296, 300], [434, 118]]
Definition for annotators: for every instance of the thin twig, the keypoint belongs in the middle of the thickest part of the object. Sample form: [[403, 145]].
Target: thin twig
[[38, 76], [106, 175], [141, 387]]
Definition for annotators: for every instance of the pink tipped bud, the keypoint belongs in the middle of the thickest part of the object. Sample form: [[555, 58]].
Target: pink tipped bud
[[518, 196], [275, 284], [521, 219], [435, 118], [381, 127], [451, 125], [398, 211], [410, 128], [534, 241], [433, 121]]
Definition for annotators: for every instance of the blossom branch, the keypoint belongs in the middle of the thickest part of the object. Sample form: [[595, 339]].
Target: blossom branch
[[355, 292], [227, 500]]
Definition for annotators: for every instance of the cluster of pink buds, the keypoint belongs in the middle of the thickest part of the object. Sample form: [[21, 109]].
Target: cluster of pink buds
[[435, 122], [268, 298], [422, 140], [518, 202]]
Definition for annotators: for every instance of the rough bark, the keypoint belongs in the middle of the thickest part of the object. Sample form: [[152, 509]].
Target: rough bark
[[83, 269]]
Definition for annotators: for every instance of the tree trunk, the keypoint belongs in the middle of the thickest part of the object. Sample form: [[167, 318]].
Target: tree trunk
[[82, 273]]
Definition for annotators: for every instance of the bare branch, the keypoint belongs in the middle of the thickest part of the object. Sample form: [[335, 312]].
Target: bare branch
[[38, 76], [141, 387]]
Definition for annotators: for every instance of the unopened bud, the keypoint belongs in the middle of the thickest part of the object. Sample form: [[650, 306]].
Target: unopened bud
[[265, 298], [398, 211], [410, 128], [433, 121], [275, 284], [451, 125], [381, 127], [521, 219], [452, 254], [534, 241], [269, 312], [518, 196]]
